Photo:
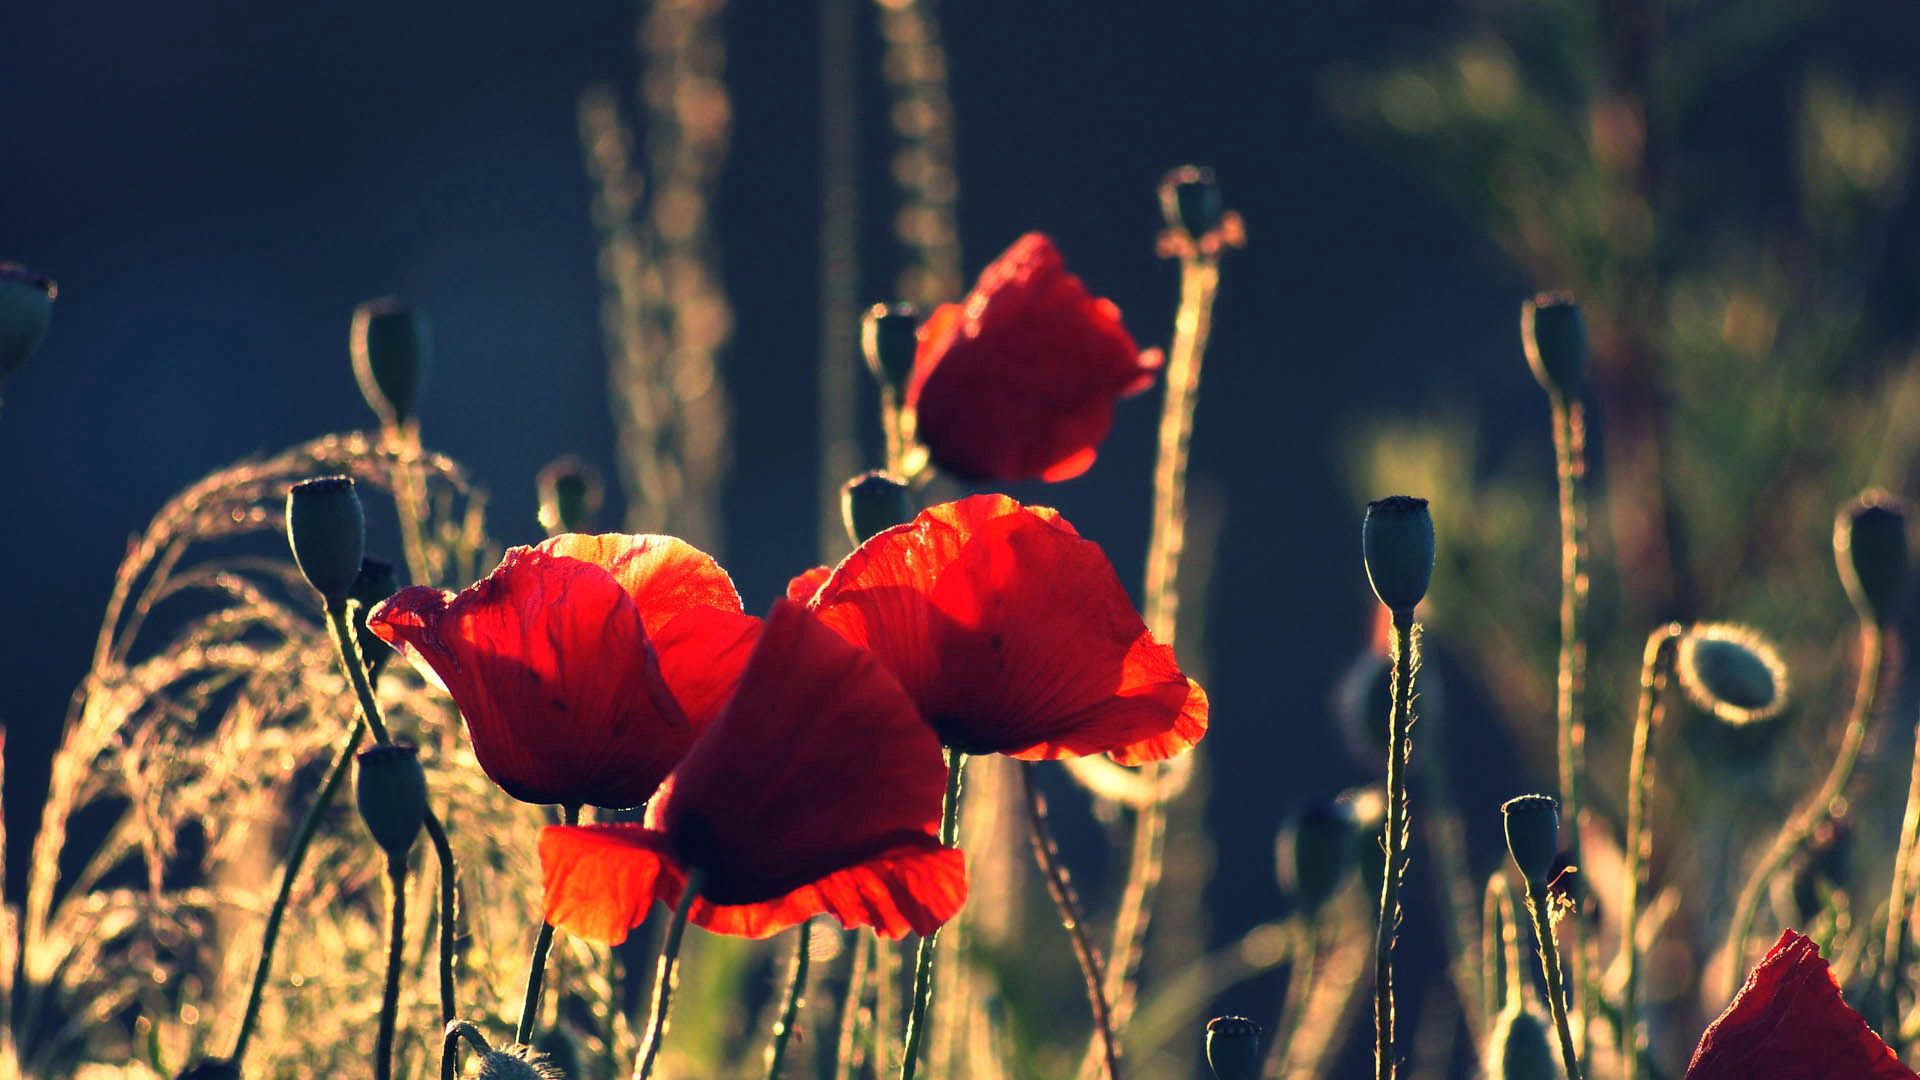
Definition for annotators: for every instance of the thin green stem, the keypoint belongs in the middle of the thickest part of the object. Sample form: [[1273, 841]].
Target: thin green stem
[[796, 999], [1406, 661], [537, 969], [347, 648], [860, 970], [923, 956], [1893, 961], [1538, 906], [669, 973], [1293, 1008], [1499, 947], [450, 1050], [1047, 856], [1570, 455], [1816, 812], [449, 911], [1655, 665], [396, 946]]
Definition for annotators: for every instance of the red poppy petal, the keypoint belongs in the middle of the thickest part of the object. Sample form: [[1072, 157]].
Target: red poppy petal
[[801, 589], [913, 888], [664, 574], [1789, 1022], [1188, 729], [602, 880], [1070, 466], [702, 653]]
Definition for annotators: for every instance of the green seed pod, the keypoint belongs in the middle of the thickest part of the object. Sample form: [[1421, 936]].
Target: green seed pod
[[1314, 852], [874, 502], [210, 1069], [327, 530], [1397, 541], [376, 582], [889, 336], [517, 1063], [1190, 201], [26, 306], [1533, 835], [391, 790], [392, 348], [1554, 335], [1870, 544], [570, 496], [1521, 1047], [1233, 1048]]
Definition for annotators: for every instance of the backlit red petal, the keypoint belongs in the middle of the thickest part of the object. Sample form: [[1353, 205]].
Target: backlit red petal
[[664, 575], [914, 888], [602, 880], [801, 589], [702, 653]]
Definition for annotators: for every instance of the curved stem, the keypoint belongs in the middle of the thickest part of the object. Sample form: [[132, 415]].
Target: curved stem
[[346, 647], [1047, 856], [537, 969], [1499, 947], [669, 973], [1655, 665], [450, 1050], [1893, 962], [396, 946], [1570, 459], [796, 998], [449, 913], [923, 956], [1538, 907], [1816, 812], [1406, 660], [1293, 1008]]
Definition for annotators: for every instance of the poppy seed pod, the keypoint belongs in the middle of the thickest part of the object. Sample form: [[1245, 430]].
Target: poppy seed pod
[[210, 1069], [1521, 1047], [327, 530], [517, 1063], [874, 502], [1554, 335], [558, 1051], [376, 582], [889, 337], [1233, 1048], [1732, 673], [26, 305], [1533, 835], [571, 495], [1190, 200], [391, 790], [1315, 852], [392, 348], [1870, 544], [1397, 541]]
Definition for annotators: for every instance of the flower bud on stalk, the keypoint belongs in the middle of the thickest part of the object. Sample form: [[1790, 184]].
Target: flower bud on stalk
[[1521, 1047], [391, 790], [1233, 1048], [1397, 539], [392, 348], [26, 305], [1190, 201], [1315, 852], [327, 530], [517, 1063], [1554, 334], [1533, 836], [874, 502], [571, 495], [1870, 544], [375, 583], [889, 338]]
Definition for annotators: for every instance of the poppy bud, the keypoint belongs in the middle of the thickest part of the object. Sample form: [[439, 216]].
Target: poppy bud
[[1190, 200], [1554, 335], [559, 1050], [570, 496], [1732, 673], [210, 1069], [874, 502], [1233, 1048], [1397, 540], [26, 304], [517, 1063], [1870, 544], [1521, 1048], [391, 790], [328, 532], [1533, 835], [889, 336], [1315, 851], [376, 582], [392, 348]]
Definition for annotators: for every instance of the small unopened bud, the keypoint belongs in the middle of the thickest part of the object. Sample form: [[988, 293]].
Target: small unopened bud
[[517, 1063], [1554, 335], [210, 1069], [1397, 541], [328, 532], [26, 305], [1533, 836], [874, 502], [392, 349], [561, 1051], [1190, 201], [1315, 852], [1233, 1048], [570, 496], [889, 336], [391, 790], [1520, 1047], [376, 582], [1870, 544], [1732, 673]]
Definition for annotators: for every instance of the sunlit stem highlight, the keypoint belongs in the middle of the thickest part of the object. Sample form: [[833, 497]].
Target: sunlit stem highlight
[[795, 1000], [1406, 661], [923, 956], [668, 975], [1656, 666], [1570, 459], [537, 969], [1060, 888], [396, 948], [1539, 905]]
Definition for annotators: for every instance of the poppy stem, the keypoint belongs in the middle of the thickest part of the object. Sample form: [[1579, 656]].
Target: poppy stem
[[1570, 460], [796, 999], [346, 646], [668, 974], [404, 441], [1655, 667], [1893, 962], [537, 970], [450, 1050], [396, 947], [1060, 887], [859, 972], [1406, 660], [1499, 947], [1539, 906], [1814, 813], [923, 956]]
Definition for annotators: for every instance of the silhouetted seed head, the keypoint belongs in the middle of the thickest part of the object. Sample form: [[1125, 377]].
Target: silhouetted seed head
[[210, 1069], [1190, 201], [1315, 851], [391, 790], [1368, 808], [1397, 540], [889, 337], [375, 583], [570, 496], [1554, 335], [517, 1063], [874, 502], [1520, 1047], [392, 347], [1233, 1048], [1732, 673], [1533, 835], [327, 530], [1870, 545], [26, 305]]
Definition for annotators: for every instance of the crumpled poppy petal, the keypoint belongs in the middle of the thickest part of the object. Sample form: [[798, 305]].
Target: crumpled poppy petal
[[665, 575], [914, 888], [801, 589], [602, 880], [702, 652], [1789, 1022]]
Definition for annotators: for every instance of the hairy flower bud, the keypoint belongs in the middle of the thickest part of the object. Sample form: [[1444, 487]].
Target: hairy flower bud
[[26, 305], [517, 1063], [874, 502], [889, 336], [1397, 541], [391, 790], [1554, 335], [1521, 1048], [1533, 835], [376, 582], [1233, 1048], [570, 495], [1190, 201], [327, 530], [1870, 544], [1315, 852], [392, 348]]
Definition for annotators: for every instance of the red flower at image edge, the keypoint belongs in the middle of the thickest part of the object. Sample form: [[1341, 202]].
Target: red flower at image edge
[[816, 791], [1789, 1023], [1013, 635], [584, 667], [1019, 381]]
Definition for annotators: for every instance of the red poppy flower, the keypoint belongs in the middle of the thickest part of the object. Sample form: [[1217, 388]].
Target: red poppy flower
[[1789, 1023], [1013, 634], [1020, 380], [816, 791], [584, 667]]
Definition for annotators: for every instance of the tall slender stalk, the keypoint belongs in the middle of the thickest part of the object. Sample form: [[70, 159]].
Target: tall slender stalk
[[1406, 661], [1499, 947], [1539, 905], [537, 969], [668, 975], [396, 948], [1047, 856], [1655, 666], [1570, 459], [1893, 961], [796, 998], [923, 956]]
